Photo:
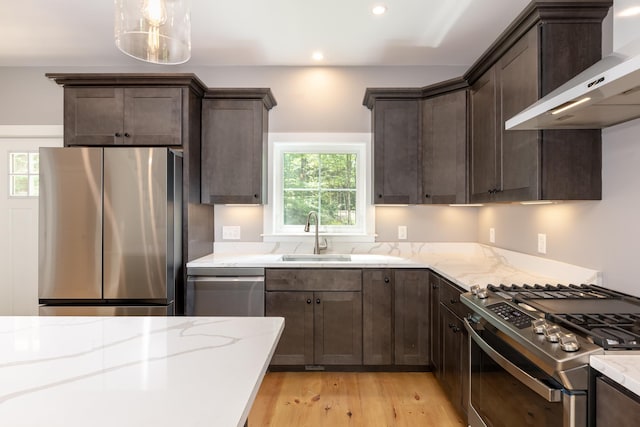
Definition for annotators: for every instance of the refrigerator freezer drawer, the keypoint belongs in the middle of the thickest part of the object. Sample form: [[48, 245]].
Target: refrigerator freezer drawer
[[98, 310], [225, 296]]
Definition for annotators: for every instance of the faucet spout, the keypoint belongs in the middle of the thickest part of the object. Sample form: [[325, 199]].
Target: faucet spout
[[317, 246]]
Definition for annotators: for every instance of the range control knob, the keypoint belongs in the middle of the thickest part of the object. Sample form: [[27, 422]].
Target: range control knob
[[483, 293], [552, 333], [569, 342], [474, 289], [539, 325]]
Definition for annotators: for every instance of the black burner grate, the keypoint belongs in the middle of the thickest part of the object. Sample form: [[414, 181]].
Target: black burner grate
[[618, 331]]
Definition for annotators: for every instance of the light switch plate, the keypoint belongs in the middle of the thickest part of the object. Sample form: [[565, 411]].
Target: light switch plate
[[402, 232], [231, 232], [492, 235]]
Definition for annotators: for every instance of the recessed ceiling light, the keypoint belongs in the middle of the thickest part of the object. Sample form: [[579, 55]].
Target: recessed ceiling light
[[379, 10], [317, 56]]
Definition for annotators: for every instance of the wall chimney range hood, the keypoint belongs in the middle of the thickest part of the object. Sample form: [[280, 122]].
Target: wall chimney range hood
[[605, 94]]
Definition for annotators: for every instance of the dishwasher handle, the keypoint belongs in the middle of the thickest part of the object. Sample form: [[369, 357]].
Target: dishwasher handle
[[213, 279], [548, 393]]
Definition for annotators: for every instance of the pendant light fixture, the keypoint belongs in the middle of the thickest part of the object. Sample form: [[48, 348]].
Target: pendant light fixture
[[156, 31]]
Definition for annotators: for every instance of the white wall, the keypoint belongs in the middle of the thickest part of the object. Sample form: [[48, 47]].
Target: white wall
[[603, 235]]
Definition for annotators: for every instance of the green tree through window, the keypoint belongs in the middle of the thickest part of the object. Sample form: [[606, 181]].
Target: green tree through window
[[321, 182]]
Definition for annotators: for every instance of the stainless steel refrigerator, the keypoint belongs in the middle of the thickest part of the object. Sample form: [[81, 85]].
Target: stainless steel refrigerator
[[110, 230]]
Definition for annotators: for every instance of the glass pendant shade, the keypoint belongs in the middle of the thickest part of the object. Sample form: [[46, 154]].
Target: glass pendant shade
[[157, 31]]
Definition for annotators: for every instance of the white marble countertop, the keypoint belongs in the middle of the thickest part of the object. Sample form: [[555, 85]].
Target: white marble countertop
[[465, 264], [132, 371], [623, 369]]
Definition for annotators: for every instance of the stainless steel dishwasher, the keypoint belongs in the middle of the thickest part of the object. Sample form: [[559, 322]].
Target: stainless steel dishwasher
[[224, 291]]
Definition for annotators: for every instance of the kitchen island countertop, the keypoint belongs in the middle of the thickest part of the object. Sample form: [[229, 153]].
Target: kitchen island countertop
[[132, 371]]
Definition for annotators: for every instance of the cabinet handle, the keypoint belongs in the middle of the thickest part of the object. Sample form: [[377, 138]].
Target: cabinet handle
[[456, 329], [126, 135], [255, 196], [492, 191], [386, 280], [434, 286], [427, 196], [451, 325], [379, 196], [117, 135], [308, 300], [453, 300], [318, 301]]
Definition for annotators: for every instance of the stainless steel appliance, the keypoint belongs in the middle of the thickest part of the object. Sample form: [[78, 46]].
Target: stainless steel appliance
[[110, 231], [530, 349], [220, 291]]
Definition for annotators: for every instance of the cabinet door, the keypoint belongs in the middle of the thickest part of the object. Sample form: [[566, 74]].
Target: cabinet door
[[519, 162], [233, 151], [411, 334], [615, 407], [338, 328], [451, 374], [395, 152], [153, 116], [296, 343], [436, 333], [444, 148], [483, 150], [376, 317], [93, 116]]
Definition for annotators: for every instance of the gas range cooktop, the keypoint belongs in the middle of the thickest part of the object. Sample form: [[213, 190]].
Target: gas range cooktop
[[608, 318]]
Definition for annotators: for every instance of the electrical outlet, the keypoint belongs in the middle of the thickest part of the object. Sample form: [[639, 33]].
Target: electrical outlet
[[402, 232], [231, 232], [492, 235], [542, 243]]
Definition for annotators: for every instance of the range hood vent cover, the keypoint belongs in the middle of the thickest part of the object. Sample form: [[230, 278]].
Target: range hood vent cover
[[605, 94]]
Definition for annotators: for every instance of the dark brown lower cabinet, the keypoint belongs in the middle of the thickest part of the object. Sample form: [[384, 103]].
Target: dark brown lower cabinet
[[377, 321], [321, 328], [450, 349], [615, 406], [395, 307], [411, 317]]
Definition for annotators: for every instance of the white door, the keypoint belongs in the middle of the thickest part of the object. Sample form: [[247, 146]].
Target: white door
[[19, 221]]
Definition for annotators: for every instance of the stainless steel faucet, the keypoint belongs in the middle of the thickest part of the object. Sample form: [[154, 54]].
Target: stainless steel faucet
[[318, 246]]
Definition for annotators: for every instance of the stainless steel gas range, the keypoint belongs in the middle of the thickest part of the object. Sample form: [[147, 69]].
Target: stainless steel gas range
[[530, 349]]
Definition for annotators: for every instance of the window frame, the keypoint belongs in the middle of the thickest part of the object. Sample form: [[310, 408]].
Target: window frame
[[29, 174], [359, 143]]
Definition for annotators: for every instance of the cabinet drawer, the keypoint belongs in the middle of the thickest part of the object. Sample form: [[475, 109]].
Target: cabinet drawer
[[450, 298], [320, 279]]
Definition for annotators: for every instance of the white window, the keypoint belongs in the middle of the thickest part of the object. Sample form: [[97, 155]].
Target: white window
[[324, 173], [24, 179]]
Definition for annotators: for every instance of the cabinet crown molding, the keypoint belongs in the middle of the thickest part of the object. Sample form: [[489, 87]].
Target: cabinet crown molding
[[129, 79], [263, 94]]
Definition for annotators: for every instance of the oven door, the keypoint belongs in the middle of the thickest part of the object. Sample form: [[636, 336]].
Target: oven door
[[507, 389]]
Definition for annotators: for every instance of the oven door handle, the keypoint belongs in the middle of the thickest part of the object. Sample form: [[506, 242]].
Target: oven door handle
[[550, 394]]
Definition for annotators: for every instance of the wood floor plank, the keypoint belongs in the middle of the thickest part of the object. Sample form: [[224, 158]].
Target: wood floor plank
[[362, 399]]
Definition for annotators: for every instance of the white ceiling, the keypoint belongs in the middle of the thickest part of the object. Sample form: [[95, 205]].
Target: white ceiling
[[265, 32]]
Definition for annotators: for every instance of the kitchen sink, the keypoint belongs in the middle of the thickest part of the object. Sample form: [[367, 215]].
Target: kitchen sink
[[316, 258]]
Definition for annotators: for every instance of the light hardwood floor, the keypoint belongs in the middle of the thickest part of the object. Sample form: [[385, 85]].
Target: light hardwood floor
[[336, 399]]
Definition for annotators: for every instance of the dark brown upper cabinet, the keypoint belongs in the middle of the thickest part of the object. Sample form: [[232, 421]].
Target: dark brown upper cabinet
[[234, 145], [419, 143], [396, 164], [127, 109], [546, 46], [444, 148]]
